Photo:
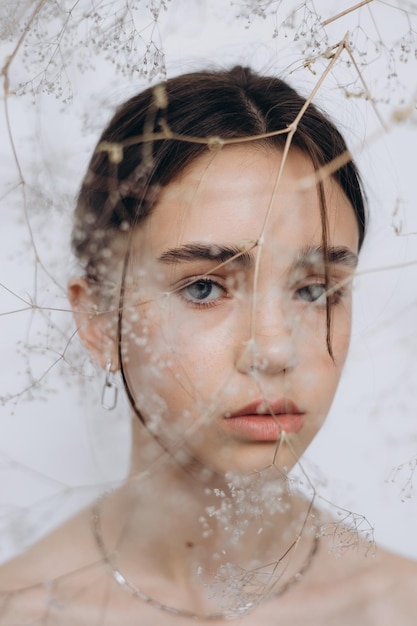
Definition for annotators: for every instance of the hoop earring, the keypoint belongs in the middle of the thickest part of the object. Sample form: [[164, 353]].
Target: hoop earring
[[109, 392]]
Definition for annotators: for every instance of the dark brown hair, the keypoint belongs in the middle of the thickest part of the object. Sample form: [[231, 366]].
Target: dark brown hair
[[145, 146]]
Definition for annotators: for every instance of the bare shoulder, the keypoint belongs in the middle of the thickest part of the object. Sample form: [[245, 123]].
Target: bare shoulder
[[388, 589], [377, 587], [32, 583], [399, 575], [67, 547]]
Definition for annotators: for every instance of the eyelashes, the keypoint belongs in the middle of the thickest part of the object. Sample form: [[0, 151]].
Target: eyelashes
[[205, 292], [319, 294]]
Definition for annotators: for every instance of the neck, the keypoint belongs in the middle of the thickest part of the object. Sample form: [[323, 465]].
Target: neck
[[190, 528]]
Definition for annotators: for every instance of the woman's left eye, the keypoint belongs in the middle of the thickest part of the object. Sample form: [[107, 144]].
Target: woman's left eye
[[319, 293], [203, 291], [313, 293]]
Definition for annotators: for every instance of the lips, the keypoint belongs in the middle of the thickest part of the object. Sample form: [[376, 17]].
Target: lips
[[265, 421]]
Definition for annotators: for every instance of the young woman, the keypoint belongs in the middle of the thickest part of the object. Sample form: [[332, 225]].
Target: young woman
[[218, 228]]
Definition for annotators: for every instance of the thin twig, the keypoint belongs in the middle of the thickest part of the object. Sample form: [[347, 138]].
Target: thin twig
[[345, 12], [6, 84], [365, 86], [291, 131]]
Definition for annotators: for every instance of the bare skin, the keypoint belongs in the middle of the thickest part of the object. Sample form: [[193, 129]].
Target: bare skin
[[352, 590]]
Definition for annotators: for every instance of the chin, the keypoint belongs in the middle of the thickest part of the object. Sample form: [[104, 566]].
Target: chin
[[242, 460]]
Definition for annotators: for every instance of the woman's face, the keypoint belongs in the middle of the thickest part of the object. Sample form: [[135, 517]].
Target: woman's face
[[227, 357]]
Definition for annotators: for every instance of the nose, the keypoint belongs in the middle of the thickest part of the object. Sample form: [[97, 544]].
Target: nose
[[270, 345]]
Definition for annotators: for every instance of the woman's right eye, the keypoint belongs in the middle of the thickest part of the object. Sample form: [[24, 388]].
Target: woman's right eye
[[203, 292]]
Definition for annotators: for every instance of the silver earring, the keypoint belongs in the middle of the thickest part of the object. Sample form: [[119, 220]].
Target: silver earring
[[109, 393]]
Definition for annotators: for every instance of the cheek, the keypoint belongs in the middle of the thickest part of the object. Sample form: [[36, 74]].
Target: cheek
[[319, 373], [340, 334], [309, 333], [167, 354]]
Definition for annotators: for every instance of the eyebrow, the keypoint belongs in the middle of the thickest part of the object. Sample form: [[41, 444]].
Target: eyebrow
[[335, 255], [309, 256], [219, 253]]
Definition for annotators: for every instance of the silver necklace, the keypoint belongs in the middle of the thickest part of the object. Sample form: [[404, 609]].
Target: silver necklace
[[166, 608]]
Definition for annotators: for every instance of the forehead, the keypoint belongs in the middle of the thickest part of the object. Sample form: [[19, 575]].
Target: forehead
[[242, 193]]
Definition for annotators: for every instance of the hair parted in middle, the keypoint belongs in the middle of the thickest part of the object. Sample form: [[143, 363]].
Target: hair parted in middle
[[154, 136]]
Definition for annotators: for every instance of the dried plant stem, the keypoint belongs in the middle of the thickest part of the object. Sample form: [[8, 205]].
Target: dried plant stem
[[291, 131], [365, 86], [6, 88], [345, 12], [5, 73], [11, 57]]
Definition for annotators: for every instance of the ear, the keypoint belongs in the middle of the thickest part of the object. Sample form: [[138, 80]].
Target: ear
[[96, 329]]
